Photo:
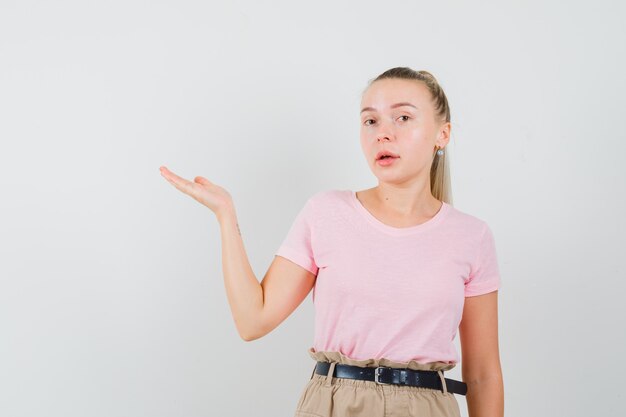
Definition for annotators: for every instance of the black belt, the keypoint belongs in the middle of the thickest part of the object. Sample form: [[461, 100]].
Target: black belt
[[395, 376]]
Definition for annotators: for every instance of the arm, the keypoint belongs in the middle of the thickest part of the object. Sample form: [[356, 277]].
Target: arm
[[478, 332], [259, 308], [256, 308]]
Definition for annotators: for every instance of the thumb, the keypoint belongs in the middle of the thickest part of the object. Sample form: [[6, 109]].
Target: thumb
[[202, 180]]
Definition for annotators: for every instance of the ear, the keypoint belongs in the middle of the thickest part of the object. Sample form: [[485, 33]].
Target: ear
[[444, 135]]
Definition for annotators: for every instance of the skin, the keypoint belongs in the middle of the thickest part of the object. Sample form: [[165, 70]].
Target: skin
[[401, 199]]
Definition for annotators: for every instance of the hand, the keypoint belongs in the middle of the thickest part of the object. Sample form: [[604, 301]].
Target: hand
[[202, 190]]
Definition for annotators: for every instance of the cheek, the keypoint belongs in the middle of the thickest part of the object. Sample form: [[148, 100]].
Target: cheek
[[418, 149], [366, 142], [365, 148], [419, 140]]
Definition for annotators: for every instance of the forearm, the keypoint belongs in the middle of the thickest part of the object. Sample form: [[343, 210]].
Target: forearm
[[244, 292], [485, 396]]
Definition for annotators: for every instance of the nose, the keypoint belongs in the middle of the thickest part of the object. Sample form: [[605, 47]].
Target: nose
[[384, 133]]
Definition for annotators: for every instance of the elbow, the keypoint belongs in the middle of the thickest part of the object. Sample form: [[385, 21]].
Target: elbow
[[249, 337], [250, 330], [481, 373], [251, 334], [246, 337]]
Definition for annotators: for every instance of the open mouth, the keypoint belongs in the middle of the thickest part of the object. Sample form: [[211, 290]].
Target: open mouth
[[386, 160], [383, 155]]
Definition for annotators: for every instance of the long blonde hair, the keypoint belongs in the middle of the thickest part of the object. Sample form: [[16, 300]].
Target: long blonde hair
[[440, 185]]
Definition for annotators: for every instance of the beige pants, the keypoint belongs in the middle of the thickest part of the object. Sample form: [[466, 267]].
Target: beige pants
[[326, 396]]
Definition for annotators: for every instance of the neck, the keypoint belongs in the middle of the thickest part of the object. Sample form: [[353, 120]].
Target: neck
[[407, 201]]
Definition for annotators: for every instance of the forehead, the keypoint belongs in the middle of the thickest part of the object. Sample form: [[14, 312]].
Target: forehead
[[382, 93]]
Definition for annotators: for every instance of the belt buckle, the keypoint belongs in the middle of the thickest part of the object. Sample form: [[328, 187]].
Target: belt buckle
[[377, 373]]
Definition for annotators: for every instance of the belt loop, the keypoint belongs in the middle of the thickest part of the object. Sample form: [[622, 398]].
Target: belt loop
[[329, 377], [443, 382], [313, 373]]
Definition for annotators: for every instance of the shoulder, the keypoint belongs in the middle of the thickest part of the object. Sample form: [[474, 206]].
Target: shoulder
[[330, 197], [468, 223], [325, 203]]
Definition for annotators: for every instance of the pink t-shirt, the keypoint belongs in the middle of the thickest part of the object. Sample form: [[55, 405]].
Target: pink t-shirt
[[389, 292]]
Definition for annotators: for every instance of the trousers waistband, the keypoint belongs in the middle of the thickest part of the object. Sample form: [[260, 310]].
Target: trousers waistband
[[394, 376]]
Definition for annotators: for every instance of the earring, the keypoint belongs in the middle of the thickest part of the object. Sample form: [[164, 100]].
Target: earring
[[440, 151]]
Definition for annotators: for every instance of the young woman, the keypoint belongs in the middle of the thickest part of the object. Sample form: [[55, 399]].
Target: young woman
[[395, 271]]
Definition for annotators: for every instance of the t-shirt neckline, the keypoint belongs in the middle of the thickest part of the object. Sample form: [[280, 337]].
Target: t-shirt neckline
[[399, 231]]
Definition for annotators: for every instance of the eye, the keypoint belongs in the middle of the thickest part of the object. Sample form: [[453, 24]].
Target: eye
[[367, 124], [407, 117]]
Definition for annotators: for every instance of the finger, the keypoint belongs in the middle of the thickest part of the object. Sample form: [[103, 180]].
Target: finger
[[184, 186], [178, 182], [175, 178], [202, 180]]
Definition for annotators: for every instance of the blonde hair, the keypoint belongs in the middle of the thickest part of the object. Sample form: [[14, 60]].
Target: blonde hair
[[440, 186]]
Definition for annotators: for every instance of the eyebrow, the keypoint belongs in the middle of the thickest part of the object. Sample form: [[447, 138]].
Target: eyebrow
[[393, 106]]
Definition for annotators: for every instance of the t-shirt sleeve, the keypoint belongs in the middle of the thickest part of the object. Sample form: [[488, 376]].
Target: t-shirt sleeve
[[485, 274], [297, 246]]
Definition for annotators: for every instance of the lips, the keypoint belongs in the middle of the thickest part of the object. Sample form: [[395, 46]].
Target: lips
[[383, 154]]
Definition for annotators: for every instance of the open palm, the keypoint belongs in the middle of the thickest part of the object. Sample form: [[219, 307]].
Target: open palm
[[202, 190]]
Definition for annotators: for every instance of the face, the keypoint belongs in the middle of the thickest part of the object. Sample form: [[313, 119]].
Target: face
[[409, 130]]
